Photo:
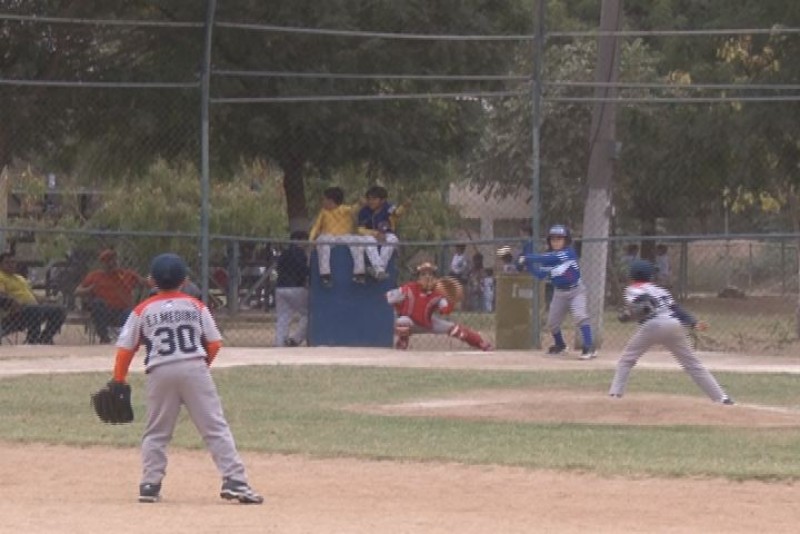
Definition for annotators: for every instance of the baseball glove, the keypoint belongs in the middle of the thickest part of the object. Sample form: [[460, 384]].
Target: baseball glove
[[640, 310], [451, 288], [112, 404]]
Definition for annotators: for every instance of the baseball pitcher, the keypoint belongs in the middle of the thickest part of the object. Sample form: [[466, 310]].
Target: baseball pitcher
[[661, 321]]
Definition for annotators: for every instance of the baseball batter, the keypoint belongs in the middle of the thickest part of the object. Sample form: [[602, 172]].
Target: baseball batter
[[181, 340], [419, 307], [663, 324], [560, 266]]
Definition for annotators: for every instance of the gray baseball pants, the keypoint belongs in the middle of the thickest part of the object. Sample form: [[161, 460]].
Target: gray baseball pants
[[669, 332], [188, 383], [572, 300]]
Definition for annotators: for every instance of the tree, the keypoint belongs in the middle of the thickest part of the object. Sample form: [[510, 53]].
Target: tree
[[112, 134], [404, 141]]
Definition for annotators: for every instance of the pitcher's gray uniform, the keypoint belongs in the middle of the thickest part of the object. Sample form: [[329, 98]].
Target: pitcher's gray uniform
[[665, 325], [181, 339]]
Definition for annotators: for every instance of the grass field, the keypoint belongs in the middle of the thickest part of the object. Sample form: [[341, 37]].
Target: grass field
[[309, 411]]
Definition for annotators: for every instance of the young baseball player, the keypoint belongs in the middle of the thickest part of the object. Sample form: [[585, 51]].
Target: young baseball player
[[334, 224], [378, 222], [662, 323], [181, 341], [419, 307], [560, 266]]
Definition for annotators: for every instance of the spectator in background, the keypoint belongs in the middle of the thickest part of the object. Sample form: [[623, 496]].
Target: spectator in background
[[458, 264], [507, 259], [631, 255], [23, 310], [474, 282], [487, 290], [663, 270], [109, 293], [335, 224], [378, 222], [291, 293]]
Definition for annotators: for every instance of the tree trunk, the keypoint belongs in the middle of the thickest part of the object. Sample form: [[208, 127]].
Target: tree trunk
[[294, 188], [602, 153]]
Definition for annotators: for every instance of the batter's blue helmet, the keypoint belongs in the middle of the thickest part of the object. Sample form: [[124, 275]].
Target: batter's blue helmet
[[559, 230], [168, 271], [641, 271]]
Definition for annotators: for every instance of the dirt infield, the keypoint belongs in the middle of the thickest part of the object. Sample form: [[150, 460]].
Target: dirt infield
[[68, 490]]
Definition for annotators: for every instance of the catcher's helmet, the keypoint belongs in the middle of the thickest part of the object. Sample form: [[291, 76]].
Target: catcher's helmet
[[641, 271], [168, 271], [425, 267], [559, 230]]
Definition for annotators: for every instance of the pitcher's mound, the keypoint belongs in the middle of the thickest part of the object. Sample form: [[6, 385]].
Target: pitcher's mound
[[564, 406]]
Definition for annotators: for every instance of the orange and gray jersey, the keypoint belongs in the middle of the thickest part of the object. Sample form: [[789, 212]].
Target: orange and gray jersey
[[172, 326]]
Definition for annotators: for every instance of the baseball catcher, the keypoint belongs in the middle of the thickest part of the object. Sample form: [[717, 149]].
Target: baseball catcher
[[420, 305], [112, 404]]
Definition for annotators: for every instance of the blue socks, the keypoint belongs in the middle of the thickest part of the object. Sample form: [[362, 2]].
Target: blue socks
[[586, 334], [559, 339]]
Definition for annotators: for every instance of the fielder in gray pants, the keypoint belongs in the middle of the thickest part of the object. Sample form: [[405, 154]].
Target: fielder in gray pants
[[181, 340], [661, 322]]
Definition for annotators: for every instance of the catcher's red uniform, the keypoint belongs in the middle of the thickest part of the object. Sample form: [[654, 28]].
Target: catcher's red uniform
[[415, 302], [412, 302]]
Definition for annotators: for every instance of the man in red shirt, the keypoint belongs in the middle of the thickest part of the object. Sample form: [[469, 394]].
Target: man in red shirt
[[110, 293]]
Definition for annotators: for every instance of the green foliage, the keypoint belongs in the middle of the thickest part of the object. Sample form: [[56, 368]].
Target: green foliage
[[167, 199]]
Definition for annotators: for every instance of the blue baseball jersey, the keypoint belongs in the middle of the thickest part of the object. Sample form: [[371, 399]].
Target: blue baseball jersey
[[559, 266], [381, 220]]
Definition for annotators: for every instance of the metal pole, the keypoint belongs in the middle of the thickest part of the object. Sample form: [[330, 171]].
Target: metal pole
[[536, 118], [205, 187]]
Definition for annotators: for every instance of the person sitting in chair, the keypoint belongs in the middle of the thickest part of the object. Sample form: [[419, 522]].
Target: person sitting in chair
[[23, 310], [110, 293]]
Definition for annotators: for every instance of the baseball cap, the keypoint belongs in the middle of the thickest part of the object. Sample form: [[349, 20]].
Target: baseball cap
[[168, 271], [107, 254]]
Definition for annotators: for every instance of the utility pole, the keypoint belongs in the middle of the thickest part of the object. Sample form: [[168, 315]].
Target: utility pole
[[603, 151]]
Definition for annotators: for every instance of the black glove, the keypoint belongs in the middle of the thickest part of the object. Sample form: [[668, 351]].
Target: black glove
[[642, 309], [112, 404]]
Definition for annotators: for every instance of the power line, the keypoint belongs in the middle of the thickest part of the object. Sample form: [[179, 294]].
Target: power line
[[100, 22], [346, 76], [675, 33], [360, 98], [675, 100], [369, 34], [677, 87], [101, 85]]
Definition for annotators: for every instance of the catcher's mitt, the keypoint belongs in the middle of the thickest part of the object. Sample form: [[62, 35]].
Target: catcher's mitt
[[112, 404], [642, 309], [451, 288]]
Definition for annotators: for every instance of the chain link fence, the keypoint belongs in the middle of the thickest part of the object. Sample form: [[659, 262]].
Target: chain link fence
[[104, 145]]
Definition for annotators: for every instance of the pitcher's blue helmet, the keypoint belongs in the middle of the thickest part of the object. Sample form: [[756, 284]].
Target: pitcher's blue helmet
[[559, 230], [641, 271], [168, 271]]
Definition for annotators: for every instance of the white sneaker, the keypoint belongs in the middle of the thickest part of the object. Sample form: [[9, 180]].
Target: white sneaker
[[588, 354]]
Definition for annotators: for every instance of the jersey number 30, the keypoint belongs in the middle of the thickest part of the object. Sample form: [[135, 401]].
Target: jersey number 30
[[170, 339]]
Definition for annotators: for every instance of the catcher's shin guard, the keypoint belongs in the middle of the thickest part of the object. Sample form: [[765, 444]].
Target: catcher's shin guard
[[403, 335], [471, 337]]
